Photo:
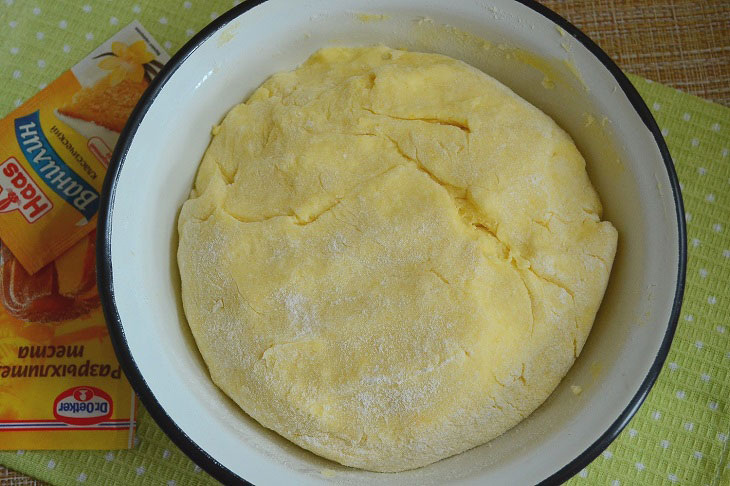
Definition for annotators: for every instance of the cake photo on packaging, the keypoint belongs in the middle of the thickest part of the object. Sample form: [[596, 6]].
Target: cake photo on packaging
[[388, 257], [101, 108], [61, 386]]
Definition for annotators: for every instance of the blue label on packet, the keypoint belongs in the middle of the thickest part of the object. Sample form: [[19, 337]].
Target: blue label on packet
[[51, 168]]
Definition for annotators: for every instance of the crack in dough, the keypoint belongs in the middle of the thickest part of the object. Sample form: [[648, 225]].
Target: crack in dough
[[451, 123]]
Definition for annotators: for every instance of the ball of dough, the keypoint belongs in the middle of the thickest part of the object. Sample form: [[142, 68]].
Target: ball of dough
[[389, 258]]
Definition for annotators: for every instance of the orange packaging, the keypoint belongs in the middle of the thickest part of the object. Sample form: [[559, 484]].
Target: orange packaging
[[54, 149], [61, 386]]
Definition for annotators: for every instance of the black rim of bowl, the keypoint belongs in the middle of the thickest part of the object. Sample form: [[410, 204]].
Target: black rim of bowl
[[105, 273]]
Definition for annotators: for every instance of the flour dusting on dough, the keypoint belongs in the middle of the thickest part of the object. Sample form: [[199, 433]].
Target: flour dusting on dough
[[389, 257]]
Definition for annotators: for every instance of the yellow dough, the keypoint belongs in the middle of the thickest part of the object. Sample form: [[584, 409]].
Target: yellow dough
[[389, 258]]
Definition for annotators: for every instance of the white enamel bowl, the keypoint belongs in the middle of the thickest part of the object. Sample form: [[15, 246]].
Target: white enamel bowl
[[520, 43]]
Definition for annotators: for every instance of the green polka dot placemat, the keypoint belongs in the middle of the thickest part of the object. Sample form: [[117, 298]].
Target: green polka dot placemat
[[680, 434]]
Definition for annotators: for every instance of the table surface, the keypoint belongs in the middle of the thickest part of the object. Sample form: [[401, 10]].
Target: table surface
[[681, 43]]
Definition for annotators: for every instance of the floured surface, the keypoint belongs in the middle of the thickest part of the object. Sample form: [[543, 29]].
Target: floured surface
[[389, 258]]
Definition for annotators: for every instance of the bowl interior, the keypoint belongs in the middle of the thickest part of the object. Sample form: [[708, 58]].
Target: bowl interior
[[510, 41]]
